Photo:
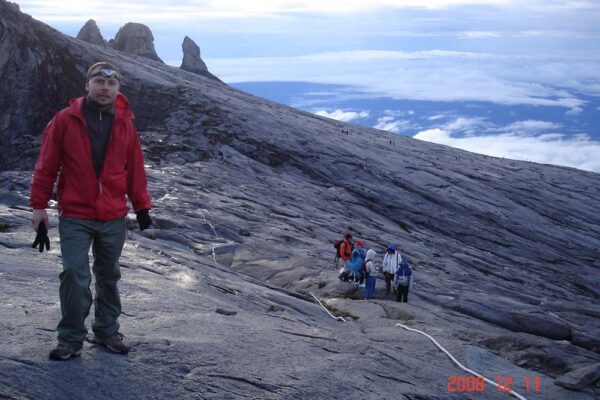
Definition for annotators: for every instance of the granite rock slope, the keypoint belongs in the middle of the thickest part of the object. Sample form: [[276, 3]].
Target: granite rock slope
[[247, 197]]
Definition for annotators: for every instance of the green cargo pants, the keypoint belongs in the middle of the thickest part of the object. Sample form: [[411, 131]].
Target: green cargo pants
[[106, 239]]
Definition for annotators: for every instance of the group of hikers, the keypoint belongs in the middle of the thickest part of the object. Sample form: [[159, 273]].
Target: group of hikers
[[358, 266]]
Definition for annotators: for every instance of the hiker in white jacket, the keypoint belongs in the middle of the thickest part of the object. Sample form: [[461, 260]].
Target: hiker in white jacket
[[391, 261]]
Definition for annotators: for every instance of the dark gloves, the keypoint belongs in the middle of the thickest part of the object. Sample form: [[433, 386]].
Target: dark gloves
[[41, 238], [143, 219]]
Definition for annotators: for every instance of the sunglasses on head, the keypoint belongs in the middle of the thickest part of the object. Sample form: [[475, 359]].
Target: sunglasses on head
[[106, 72]]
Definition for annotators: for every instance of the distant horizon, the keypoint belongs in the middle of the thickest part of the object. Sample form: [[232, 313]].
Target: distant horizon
[[540, 56]]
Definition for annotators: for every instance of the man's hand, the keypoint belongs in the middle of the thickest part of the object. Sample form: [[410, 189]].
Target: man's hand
[[143, 219], [41, 238], [38, 216]]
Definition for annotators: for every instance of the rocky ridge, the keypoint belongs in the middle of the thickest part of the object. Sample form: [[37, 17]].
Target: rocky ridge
[[192, 62], [91, 33], [134, 38], [247, 196], [137, 39]]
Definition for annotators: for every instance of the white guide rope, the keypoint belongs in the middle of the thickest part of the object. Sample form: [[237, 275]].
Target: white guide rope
[[512, 392], [325, 308]]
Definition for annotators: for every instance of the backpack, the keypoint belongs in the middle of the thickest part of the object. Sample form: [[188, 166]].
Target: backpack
[[363, 269], [338, 245], [400, 278], [404, 262]]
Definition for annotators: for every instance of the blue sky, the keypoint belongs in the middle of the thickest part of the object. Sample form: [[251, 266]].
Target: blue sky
[[528, 55]]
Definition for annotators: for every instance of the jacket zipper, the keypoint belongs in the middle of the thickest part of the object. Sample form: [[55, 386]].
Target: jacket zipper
[[89, 146], [108, 146]]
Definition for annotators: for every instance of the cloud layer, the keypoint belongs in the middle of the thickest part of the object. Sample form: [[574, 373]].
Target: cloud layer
[[527, 140], [344, 116], [575, 151], [433, 75]]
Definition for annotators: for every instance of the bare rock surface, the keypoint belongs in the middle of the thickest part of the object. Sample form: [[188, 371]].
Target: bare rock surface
[[137, 39], [91, 33], [192, 62], [247, 197], [580, 378]]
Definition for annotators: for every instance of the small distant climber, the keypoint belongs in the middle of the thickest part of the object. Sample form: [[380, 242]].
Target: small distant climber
[[357, 261], [371, 275], [391, 261], [346, 254], [337, 244], [403, 280]]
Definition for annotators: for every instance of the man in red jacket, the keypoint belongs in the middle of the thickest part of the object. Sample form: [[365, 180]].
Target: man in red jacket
[[346, 254], [95, 146]]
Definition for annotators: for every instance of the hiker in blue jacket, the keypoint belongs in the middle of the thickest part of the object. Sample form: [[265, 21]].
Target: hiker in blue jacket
[[356, 262], [371, 273], [403, 280]]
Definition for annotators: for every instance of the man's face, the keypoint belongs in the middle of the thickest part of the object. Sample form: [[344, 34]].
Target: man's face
[[103, 90]]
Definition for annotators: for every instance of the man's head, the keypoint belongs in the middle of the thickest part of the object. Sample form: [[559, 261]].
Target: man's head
[[102, 83]]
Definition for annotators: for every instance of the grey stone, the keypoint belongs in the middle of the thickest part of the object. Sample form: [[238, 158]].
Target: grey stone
[[134, 38], [513, 315], [586, 340], [580, 378], [91, 33], [225, 312], [192, 62]]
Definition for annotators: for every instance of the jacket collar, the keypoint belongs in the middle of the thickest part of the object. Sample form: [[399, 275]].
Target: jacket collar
[[121, 107], [90, 105]]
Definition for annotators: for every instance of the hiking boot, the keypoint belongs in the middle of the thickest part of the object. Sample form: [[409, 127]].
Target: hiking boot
[[63, 352], [115, 344]]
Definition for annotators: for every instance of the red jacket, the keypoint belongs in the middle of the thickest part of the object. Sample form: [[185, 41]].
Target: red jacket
[[346, 250], [66, 148]]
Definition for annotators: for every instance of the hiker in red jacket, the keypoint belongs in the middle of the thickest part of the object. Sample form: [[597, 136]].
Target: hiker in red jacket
[[95, 146], [346, 254]]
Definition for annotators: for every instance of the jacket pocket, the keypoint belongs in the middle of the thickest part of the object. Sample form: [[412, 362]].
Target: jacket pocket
[[75, 195], [116, 185]]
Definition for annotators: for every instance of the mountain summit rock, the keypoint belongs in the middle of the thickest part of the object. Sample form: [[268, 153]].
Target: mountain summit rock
[[91, 33], [192, 62], [134, 38]]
